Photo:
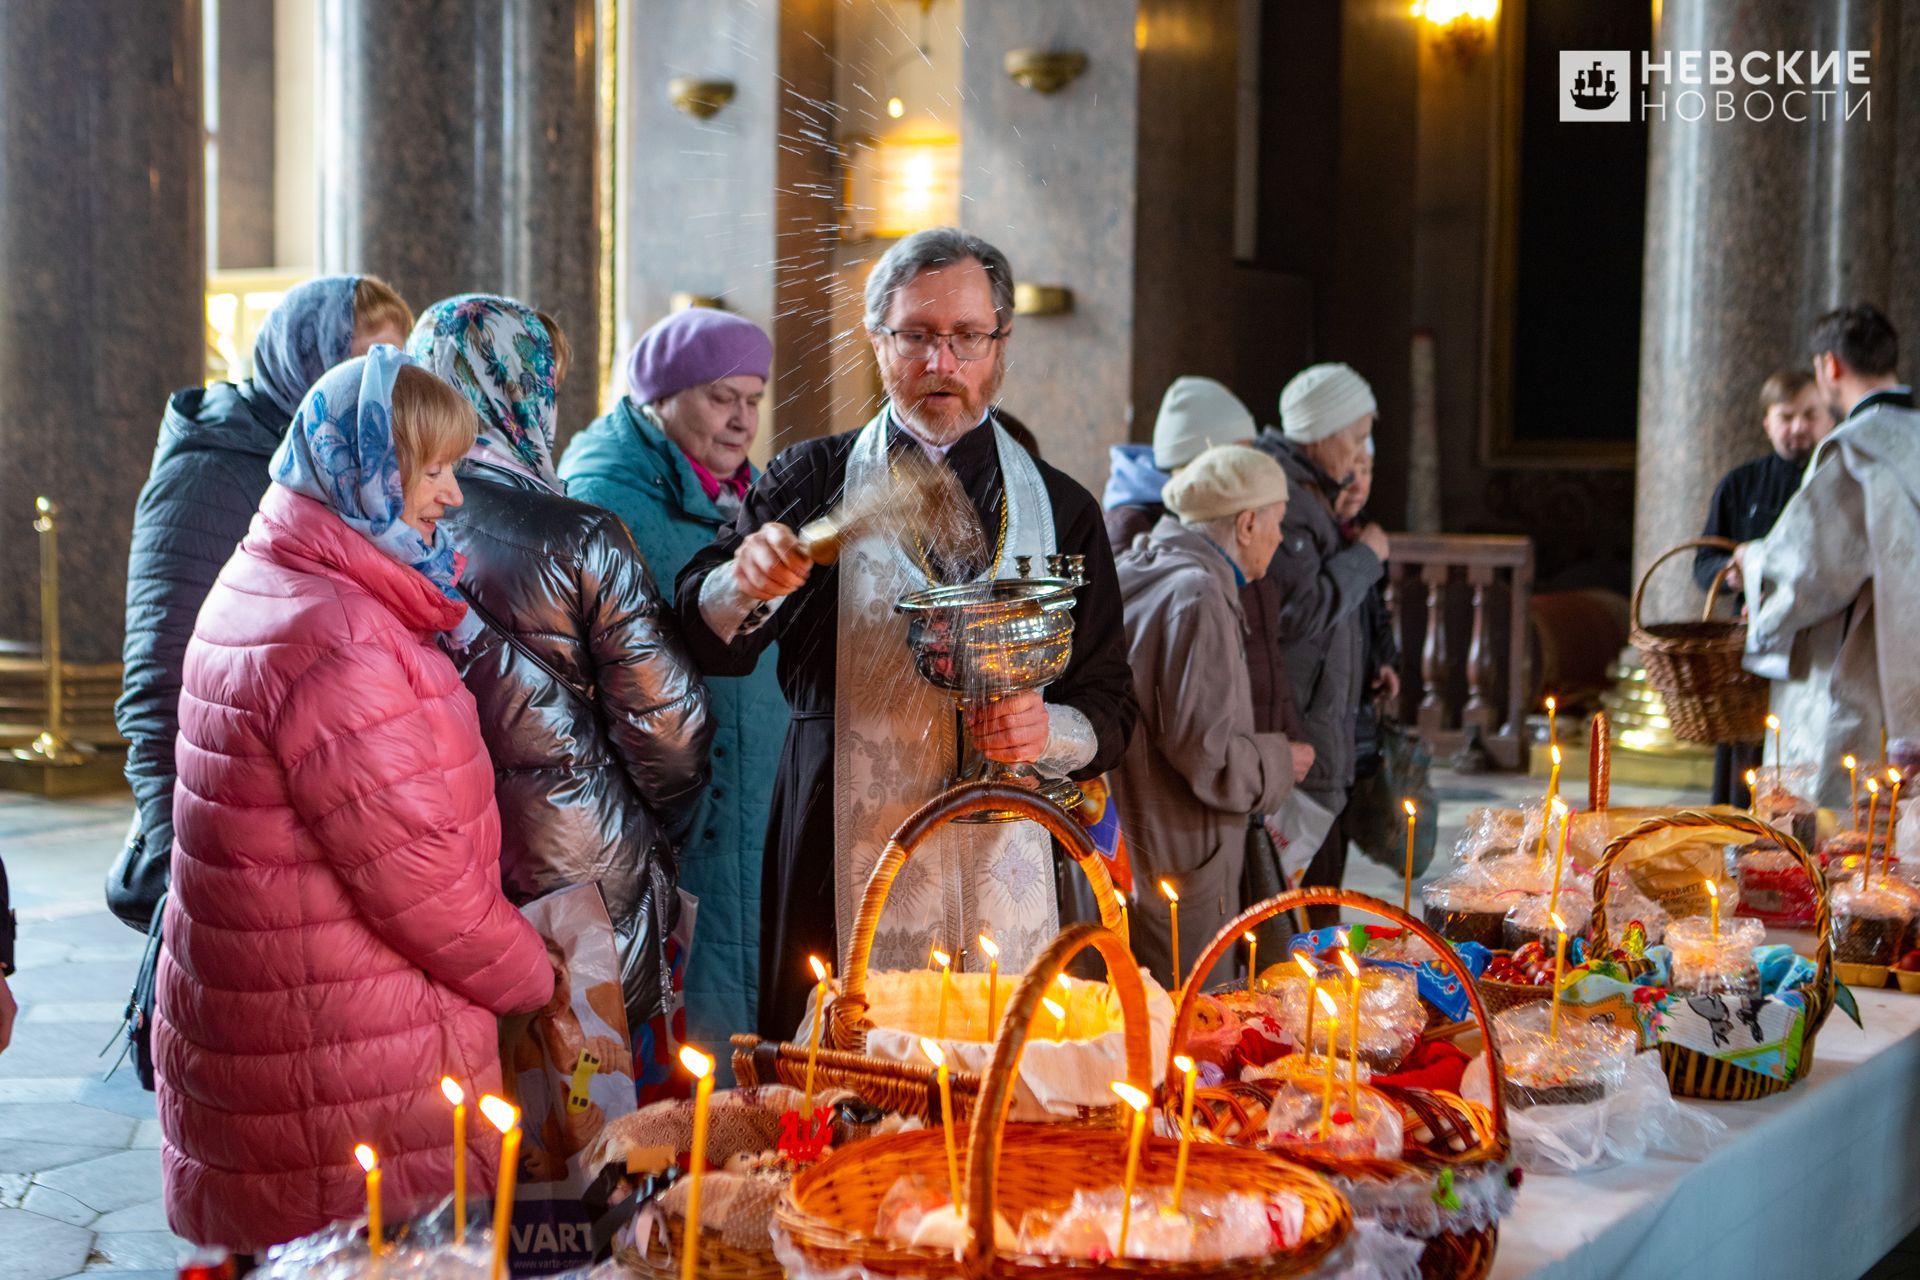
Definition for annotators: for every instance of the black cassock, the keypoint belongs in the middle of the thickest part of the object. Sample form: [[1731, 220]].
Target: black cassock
[[803, 483]]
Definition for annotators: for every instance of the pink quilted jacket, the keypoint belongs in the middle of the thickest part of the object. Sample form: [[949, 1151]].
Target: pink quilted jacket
[[336, 939]]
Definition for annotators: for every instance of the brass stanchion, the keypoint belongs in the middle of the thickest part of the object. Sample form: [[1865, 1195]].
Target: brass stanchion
[[52, 747]]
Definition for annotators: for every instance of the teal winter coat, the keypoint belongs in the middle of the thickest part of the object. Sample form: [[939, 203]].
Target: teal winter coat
[[625, 463]]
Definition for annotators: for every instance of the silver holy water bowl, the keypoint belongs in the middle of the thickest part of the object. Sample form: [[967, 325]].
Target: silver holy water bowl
[[982, 641]]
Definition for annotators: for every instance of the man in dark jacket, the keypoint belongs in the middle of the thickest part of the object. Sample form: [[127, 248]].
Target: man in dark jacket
[[209, 470], [1326, 416]]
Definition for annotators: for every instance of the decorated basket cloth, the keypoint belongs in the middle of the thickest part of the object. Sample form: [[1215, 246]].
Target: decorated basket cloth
[[826, 1223], [1696, 666], [889, 1072], [1452, 1188], [1693, 1072]]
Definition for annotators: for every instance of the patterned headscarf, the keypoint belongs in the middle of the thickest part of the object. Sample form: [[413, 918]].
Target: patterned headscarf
[[340, 452], [496, 353], [308, 333]]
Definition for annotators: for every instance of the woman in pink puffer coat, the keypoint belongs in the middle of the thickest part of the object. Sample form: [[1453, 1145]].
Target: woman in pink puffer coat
[[336, 938]]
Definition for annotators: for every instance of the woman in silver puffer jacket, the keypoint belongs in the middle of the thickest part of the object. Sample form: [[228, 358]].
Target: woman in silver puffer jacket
[[595, 717]]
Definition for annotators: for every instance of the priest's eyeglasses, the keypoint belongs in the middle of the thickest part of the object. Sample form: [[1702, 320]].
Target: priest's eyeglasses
[[918, 344]]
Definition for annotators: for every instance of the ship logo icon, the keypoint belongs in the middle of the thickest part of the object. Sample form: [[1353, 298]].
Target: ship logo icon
[[1591, 92], [1596, 84]]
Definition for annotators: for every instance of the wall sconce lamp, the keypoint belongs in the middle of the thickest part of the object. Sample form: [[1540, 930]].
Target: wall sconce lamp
[[1463, 28], [1042, 300], [901, 183], [1045, 70], [684, 301], [701, 99]]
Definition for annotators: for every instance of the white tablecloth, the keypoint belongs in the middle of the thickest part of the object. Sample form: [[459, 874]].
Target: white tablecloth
[[1820, 1181]]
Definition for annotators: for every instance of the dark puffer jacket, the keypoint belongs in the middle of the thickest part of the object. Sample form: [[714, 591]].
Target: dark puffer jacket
[[600, 746], [209, 470]]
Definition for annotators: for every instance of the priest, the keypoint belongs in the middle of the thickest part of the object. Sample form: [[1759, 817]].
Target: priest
[[868, 741]]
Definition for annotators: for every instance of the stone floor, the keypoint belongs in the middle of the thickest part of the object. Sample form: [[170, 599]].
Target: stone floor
[[79, 1163]]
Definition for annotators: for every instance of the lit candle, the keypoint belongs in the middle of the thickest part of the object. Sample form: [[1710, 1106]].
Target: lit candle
[[1773, 727], [1893, 818], [1326, 1087], [1253, 959], [1713, 905], [376, 1244], [1312, 971], [1873, 817], [702, 1068], [504, 1117], [945, 962], [1352, 967], [1188, 1070], [1853, 784], [1553, 722], [939, 1061], [1406, 887], [821, 973], [993, 982], [1553, 793], [1059, 1013], [458, 1097], [1565, 814], [1753, 793], [1559, 971], [1138, 1101], [1173, 918]]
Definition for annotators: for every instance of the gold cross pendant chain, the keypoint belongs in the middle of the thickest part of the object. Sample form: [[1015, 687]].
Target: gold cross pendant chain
[[919, 543]]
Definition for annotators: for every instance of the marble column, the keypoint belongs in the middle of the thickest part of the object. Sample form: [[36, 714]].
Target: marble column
[[102, 250], [1754, 228], [461, 156]]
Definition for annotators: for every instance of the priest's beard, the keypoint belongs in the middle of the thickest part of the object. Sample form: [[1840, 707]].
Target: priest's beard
[[940, 408]]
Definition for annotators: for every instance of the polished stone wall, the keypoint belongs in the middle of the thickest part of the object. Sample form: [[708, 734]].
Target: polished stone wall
[[102, 250]]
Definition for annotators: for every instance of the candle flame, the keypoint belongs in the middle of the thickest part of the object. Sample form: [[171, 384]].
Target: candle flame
[[364, 1154], [1773, 724], [1348, 963], [1848, 761], [1247, 936], [933, 1053], [1753, 776], [1306, 966], [499, 1112], [1326, 1002], [989, 946], [1182, 1063], [942, 959], [451, 1087], [1555, 753], [1066, 985], [1558, 923], [1893, 777], [1713, 890], [1128, 1094], [1166, 891], [1408, 806], [1561, 809], [696, 1062], [1053, 1007], [1873, 786], [1551, 704], [820, 971]]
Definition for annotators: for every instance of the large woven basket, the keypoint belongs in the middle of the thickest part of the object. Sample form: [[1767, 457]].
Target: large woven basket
[[1453, 1255], [828, 1215], [1696, 666], [909, 1088], [1698, 1075]]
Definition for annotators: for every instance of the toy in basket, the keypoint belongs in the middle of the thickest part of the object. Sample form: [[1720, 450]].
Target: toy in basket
[[874, 1025], [1740, 1038], [1046, 1199], [1449, 1178]]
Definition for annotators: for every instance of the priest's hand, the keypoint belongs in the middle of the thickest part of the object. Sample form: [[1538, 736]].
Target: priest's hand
[[769, 564], [1012, 730]]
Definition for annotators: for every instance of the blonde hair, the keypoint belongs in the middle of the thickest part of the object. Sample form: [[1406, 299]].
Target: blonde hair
[[562, 348], [378, 305], [431, 422]]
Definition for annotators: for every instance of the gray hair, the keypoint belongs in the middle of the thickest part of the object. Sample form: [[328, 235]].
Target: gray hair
[[936, 247]]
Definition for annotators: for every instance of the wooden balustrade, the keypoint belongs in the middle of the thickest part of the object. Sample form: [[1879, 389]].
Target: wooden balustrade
[[1438, 586]]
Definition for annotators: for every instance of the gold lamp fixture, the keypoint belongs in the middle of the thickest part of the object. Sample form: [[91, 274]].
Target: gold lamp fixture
[[1464, 28], [1042, 300], [701, 99], [1045, 70]]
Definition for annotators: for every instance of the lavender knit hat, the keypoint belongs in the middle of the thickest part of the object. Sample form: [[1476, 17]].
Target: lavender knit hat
[[692, 348]]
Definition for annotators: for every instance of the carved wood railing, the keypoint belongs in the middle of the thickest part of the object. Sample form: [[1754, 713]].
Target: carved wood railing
[[1440, 589]]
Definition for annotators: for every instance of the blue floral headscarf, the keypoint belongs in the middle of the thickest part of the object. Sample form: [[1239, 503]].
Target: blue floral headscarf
[[498, 354], [340, 452], [308, 333]]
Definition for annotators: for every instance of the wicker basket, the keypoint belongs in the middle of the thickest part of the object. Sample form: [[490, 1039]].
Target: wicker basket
[[1464, 1254], [909, 1088], [1698, 1075], [1696, 667], [829, 1212]]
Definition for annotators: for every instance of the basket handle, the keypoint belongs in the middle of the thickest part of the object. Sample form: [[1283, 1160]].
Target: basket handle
[[847, 1016], [1700, 820], [996, 1093], [1599, 762], [1280, 904], [1713, 592]]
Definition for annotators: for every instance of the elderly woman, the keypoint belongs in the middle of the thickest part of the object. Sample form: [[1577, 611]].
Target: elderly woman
[[209, 470], [596, 721], [671, 461], [337, 940]]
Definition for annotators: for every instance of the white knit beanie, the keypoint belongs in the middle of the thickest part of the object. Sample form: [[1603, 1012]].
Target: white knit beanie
[[1323, 400], [1224, 481], [1195, 413]]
